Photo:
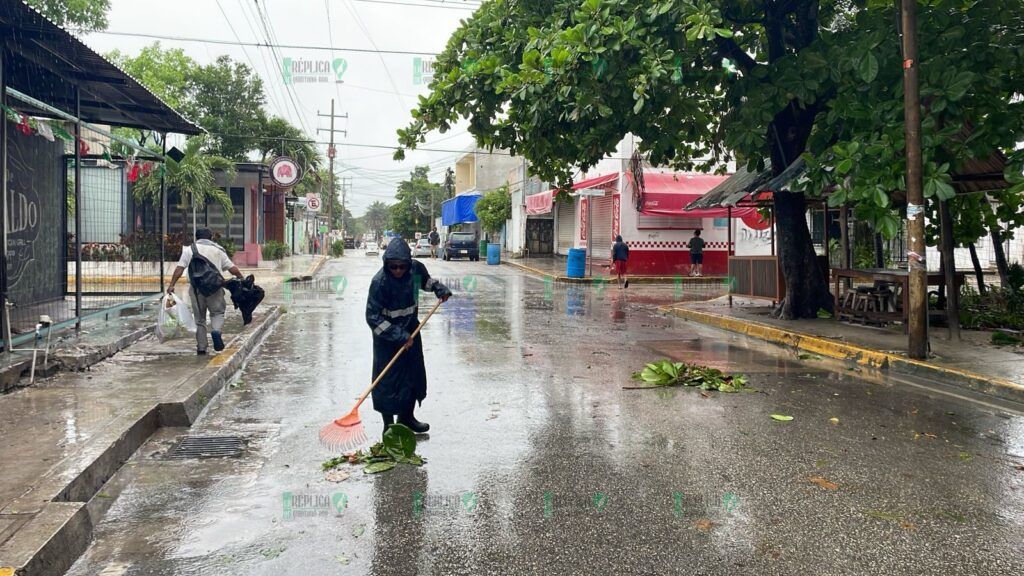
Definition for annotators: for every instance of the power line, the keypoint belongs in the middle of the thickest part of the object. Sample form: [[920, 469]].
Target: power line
[[289, 90], [467, 7], [244, 51], [366, 32], [270, 46]]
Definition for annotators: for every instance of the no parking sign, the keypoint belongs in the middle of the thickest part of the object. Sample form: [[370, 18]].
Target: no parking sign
[[313, 202]]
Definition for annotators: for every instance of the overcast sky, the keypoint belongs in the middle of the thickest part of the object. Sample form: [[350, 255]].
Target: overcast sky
[[377, 91]]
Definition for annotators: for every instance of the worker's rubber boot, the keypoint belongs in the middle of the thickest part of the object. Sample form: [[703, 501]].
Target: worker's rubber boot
[[409, 420], [218, 340], [389, 419]]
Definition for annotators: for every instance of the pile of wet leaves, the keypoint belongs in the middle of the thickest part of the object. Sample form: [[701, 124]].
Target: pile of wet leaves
[[397, 446], [668, 373]]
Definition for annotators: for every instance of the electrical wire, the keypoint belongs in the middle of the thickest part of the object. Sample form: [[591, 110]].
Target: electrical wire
[[384, 64], [257, 44], [468, 7], [246, 52], [271, 40]]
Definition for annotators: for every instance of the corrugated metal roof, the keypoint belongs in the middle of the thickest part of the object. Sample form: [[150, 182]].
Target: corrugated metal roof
[[46, 62], [734, 189]]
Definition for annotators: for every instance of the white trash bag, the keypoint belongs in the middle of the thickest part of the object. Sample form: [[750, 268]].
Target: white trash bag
[[174, 318]]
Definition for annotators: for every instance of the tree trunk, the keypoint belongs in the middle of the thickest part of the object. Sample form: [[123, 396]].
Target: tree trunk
[[1001, 265], [806, 287], [978, 274]]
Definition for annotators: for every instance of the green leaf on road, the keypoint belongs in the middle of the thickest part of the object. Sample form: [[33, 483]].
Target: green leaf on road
[[399, 441], [378, 467], [781, 418]]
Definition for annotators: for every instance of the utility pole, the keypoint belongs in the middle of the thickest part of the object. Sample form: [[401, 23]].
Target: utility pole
[[916, 265], [346, 185], [331, 153]]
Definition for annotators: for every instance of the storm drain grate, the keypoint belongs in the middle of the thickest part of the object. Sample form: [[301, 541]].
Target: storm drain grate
[[208, 447]]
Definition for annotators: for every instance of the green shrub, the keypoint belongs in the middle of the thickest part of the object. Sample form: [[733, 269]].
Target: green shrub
[[338, 248], [1004, 339], [997, 308], [226, 243], [274, 250]]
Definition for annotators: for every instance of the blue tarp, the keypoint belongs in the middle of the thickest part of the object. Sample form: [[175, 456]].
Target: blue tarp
[[459, 209]]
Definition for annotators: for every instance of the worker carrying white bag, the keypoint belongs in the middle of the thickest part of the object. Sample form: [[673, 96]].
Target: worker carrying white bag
[[174, 318]]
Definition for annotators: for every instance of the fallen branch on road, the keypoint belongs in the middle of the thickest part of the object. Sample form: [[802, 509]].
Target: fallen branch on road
[[667, 373]]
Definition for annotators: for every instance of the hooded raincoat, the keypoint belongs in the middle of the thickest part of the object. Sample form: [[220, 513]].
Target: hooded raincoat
[[392, 313]]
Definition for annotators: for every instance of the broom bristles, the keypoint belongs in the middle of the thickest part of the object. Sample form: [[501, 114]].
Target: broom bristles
[[340, 438]]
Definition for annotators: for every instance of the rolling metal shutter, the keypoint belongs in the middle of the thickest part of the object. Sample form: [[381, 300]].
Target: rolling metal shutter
[[601, 226], [566, 214]]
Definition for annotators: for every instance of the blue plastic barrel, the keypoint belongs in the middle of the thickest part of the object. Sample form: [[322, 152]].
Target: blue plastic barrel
[[576, 265], [494, 254]]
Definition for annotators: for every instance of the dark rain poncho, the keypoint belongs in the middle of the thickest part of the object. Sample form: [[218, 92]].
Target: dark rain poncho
[[393, 315]]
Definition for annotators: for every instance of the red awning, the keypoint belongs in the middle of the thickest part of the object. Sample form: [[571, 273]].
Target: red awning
[[539, 203], [605, 181], [666, 194], [542, 203]]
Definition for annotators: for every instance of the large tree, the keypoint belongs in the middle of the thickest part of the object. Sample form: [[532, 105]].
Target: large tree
[[228, 99], [84, 14], [412, 211], [703, 82]]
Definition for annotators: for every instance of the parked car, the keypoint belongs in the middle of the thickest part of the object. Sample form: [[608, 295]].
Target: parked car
[[350, 243], [371, 249], [462, 245], [422, 248]]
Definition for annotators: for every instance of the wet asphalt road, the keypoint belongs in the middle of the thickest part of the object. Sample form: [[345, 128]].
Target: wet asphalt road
[[539, 462]]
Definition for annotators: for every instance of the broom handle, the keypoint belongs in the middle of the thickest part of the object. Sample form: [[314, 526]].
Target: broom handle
[[395, 359]]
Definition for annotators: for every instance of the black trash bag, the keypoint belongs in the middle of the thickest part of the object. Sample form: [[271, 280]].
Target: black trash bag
[[245, 295]]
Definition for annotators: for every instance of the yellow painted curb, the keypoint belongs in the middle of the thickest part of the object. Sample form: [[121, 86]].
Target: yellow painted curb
[[223, 357], [834, 349]]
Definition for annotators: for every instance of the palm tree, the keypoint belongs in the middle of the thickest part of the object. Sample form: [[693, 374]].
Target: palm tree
[[193, 179], [377, 216]]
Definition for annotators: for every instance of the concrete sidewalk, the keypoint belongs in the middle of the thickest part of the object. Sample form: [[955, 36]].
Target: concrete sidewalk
[[101, 338], [554, 268], [61, 439], [971, 363]]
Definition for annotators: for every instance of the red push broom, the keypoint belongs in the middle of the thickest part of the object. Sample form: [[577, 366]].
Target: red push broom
[[347, 433]]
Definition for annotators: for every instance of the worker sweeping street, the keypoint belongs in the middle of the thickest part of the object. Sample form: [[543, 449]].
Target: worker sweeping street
[[393, 315]]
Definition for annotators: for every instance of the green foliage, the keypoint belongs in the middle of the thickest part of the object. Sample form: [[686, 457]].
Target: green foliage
[[668, 373], [997, 308], [412, 211], [275, 250], [193, 178], [226, 243], [84, 14], [227, 97], [493, 209], [1004, 339], [338, 248]]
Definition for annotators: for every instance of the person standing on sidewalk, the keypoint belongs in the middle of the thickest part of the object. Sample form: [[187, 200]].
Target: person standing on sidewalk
[[393, 315], [696, 246], [435, 240], [620, 254], [214, 302]]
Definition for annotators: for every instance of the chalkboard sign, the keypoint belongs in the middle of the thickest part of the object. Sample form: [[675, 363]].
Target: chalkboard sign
[[35, 219]]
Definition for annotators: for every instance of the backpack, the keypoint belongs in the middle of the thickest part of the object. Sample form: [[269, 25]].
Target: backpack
[[203, 275]]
